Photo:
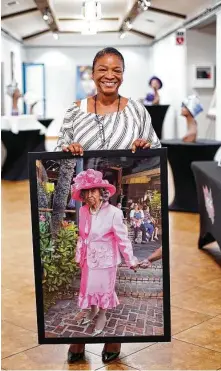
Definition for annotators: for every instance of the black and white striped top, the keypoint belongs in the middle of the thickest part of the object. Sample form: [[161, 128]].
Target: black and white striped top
[[120, 130]]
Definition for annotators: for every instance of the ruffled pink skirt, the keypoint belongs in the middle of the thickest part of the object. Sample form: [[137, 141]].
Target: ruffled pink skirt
[[98, 288]]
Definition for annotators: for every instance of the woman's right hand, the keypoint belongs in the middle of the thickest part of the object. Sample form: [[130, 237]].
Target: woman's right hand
[[74, 148]]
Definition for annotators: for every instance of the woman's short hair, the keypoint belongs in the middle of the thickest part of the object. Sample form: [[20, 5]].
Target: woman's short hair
[[106, 51], [105, 194]]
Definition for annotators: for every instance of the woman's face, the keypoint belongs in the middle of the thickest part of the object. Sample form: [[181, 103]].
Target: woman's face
[[155, 84], [108, 74], [184, 111], [92, 196]]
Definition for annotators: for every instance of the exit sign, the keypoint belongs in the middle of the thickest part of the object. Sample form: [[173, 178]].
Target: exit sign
[[180, 37]]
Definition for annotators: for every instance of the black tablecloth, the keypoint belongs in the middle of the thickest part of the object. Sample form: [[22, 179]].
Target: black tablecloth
[[18, 145], [157, 114], [208, 184], [180, 156]]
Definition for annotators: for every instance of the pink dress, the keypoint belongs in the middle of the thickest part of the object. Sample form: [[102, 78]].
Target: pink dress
[[101, 239]]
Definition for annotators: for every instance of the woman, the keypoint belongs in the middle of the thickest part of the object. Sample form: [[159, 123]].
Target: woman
[[106, 121], [156, 255], [136, 218], [99, 246]]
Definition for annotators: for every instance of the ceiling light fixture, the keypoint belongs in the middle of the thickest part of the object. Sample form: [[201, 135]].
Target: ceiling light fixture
[[122, 35], [91, 10], [55, 35], [46, 15], [12, 3], [143, 4], [128, 25], [90, 28]]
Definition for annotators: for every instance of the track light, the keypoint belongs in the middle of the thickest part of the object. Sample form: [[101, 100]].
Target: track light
[[128, 25], [55, 35], [143, 4], [46, 16], [91, 10], [122, 35]]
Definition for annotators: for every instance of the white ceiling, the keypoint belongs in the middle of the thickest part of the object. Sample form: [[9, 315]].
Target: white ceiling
[[22, 5], [114, 11]]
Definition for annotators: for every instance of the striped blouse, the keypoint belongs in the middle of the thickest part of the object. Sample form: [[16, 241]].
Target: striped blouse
[[111, 131]]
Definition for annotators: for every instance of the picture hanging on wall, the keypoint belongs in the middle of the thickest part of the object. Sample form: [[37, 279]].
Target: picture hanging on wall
[[85, 86], [101, 246]]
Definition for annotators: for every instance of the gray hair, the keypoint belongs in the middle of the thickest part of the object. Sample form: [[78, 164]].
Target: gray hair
[[105, 194]]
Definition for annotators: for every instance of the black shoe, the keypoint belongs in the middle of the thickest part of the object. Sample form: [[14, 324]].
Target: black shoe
[[109, 356], [75, 357]]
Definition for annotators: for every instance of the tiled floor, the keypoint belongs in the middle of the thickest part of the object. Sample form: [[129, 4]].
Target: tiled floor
[[195, 291]]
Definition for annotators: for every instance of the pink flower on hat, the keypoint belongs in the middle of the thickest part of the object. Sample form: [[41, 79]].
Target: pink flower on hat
[[90, 179]]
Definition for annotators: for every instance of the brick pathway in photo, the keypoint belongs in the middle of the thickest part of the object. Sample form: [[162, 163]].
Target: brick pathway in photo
[[132, 317], [138, 314]]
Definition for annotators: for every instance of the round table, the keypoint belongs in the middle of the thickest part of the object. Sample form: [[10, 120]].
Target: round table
[[180, 157], [157, 114], [46, 121]]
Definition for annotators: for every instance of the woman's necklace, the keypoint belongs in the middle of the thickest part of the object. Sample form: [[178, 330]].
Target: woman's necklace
[[96, 211], [101, 125]]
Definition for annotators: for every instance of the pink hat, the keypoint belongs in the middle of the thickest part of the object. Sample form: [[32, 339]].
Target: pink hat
[[90, 179]]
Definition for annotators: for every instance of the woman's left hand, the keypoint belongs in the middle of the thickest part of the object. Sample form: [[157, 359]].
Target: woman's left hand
[[140, 143], [145, 264], [134, 267]]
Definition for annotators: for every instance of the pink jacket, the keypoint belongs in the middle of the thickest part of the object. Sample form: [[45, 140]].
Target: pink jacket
[[102, 242]]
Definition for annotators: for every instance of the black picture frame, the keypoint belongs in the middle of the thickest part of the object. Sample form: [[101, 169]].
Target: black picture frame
[[56, 156]]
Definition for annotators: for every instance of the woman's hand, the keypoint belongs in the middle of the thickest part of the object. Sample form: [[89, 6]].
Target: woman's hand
[[74, 148], [140, 143], [134, 267], [145, 264]]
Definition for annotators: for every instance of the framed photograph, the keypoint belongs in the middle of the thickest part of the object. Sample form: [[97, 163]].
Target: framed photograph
[[85, 86], [101, 246]]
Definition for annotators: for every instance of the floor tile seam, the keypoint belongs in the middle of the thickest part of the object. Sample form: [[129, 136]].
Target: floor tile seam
[[24, 328], [148, 346], [21, 351], [197, 345], [137, 352], [193, 287], [116, 361], [195, 311], [200, 323]]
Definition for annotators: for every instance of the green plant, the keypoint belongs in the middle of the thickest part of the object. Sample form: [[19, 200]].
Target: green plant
[[57, 256], [155, 203]]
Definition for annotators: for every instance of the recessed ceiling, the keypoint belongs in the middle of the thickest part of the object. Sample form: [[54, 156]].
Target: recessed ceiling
[[24, 20]]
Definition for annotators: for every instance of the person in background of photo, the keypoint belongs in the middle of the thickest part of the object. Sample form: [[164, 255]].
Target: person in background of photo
[[106, 121], [154, 235], [102, 237], [136, 219]]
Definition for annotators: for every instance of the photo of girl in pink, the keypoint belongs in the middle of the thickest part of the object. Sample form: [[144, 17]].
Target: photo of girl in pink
[[103, 238]]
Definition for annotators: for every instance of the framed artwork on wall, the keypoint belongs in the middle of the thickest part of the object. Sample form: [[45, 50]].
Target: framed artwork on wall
[[85, 86], [101, 246]]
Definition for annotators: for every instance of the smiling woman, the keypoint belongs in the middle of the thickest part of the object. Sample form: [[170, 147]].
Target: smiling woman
[[105, 121]]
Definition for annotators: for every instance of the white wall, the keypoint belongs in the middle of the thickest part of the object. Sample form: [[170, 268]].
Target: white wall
[[201, 49], [60, 64], [169, 63], [7, 46], [218, 77]]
